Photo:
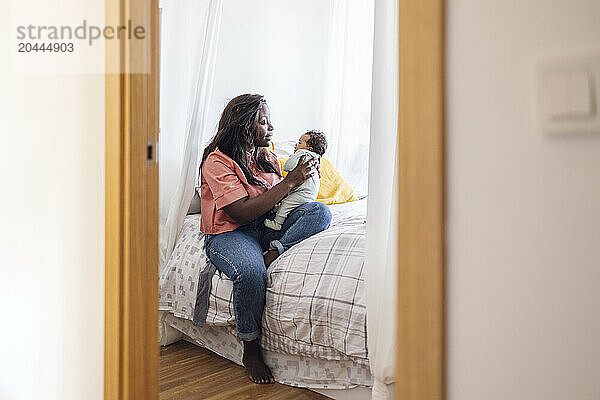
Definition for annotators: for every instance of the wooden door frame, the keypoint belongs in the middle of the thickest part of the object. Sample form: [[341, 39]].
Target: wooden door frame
[[131, 350], [420, 359], [131, 226]]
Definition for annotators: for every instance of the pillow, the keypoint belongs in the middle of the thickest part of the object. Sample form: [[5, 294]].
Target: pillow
[[334, 189], [195, 204]]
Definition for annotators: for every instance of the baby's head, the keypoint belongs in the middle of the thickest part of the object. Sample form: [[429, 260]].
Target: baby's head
[[314, 141]]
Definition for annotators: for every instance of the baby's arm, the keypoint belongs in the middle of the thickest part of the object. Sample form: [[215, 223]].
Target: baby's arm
[[292, 162]]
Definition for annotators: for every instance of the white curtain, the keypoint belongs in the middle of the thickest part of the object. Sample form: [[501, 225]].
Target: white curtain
[[347, 90], [190, 32], [382, 225]]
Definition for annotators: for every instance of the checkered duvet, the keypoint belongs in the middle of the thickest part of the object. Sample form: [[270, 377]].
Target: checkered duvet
[[315, 301]]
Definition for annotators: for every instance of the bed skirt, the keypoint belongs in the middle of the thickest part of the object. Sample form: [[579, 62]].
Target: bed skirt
[[293, 370]]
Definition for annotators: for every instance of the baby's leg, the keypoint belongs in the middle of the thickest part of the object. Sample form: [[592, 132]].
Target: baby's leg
[[286, 206], [289, 204]]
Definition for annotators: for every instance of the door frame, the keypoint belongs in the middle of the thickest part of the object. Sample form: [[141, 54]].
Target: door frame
[[420, 358], [131, 229], [131, 351]]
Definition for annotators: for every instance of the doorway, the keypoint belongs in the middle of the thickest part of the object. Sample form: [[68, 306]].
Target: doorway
[[131, 304]]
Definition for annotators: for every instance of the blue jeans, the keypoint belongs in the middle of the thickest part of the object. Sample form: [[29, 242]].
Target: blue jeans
[[239, 255]]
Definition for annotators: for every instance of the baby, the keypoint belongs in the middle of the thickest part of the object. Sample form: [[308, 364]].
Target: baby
[[311, 145]]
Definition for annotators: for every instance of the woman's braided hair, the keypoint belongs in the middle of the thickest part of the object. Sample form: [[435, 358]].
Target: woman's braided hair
[[236, 134]]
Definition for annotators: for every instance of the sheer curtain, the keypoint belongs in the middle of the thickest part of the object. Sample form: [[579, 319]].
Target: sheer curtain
[[190, 32], [328, 69], [360, 98], [381, 264], [347, 91]]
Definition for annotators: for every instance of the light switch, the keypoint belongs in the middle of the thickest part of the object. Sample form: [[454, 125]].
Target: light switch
[[554, 89], [568, 95], [579, 95]]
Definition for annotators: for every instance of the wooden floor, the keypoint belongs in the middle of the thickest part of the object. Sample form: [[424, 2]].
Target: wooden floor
[[189, 372]]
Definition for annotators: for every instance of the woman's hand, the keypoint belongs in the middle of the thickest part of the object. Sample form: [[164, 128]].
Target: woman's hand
[[248, 209], [306, 168]]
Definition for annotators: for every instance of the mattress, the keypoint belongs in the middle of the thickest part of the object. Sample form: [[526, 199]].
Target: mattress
[[315, 304]]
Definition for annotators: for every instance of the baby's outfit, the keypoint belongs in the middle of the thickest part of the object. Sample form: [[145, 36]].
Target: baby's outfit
[[304, 193]]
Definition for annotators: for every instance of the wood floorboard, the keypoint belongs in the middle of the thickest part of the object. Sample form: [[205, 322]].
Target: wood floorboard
[[189, 372]]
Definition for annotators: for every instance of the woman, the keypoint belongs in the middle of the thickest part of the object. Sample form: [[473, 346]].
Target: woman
[[241, 182]]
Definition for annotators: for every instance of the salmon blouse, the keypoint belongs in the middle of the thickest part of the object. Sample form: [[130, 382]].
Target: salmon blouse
[[223, 182]]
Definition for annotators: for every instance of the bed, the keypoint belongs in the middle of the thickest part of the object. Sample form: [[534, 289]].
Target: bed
[[314, 330]]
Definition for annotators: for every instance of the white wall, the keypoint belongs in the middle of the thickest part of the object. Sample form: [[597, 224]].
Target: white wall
[[282, 46], [51, 232], [523, 216]]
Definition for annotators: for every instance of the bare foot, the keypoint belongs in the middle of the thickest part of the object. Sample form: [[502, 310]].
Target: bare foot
[[257, 370], [270, 256]]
